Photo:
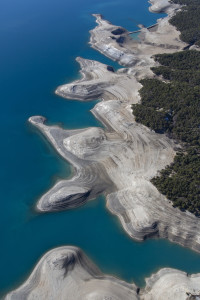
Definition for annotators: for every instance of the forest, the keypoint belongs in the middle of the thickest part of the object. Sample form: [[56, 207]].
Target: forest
[[187, 21], [170, 104]]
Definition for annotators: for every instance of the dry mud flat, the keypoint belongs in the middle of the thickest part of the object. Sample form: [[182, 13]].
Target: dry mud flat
[[66, 273], [119, 162]]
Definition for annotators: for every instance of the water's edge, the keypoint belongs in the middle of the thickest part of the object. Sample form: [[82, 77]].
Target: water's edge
[[37, 229]]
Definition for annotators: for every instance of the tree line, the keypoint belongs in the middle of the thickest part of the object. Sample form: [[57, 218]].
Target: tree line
[[187, 21], [170, 104]]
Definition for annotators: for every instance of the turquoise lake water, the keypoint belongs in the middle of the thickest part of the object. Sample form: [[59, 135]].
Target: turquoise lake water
[[39, 42]]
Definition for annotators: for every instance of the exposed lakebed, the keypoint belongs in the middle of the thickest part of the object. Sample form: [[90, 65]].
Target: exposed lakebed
[[40, 43]]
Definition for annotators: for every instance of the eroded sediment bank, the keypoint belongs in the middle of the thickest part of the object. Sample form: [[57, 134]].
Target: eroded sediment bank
[[67, 273], [119, 162]]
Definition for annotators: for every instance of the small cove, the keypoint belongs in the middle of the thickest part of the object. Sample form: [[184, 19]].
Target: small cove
[[40, 41]]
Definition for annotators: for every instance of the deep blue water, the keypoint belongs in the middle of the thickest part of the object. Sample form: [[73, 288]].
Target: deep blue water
[[39, 42]]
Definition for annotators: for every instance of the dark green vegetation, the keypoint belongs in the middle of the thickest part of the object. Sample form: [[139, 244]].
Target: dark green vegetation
[[180, 182], [173, 107], [187, 21]]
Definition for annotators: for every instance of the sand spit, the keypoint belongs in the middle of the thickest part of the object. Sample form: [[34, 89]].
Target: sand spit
[[66, 273], [120, 160]]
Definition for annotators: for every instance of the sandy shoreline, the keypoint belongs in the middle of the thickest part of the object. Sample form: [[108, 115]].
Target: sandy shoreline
[[119, 162]]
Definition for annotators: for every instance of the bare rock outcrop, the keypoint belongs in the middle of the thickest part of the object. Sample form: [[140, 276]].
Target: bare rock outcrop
[[120, 160], [172, 284], [162, 38], [161, 6], [104, 39], [90, 178], [66, 273], [117, 161], [100, 82]]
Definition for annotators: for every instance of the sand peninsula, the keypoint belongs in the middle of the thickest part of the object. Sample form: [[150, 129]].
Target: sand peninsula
[[119, 162]]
